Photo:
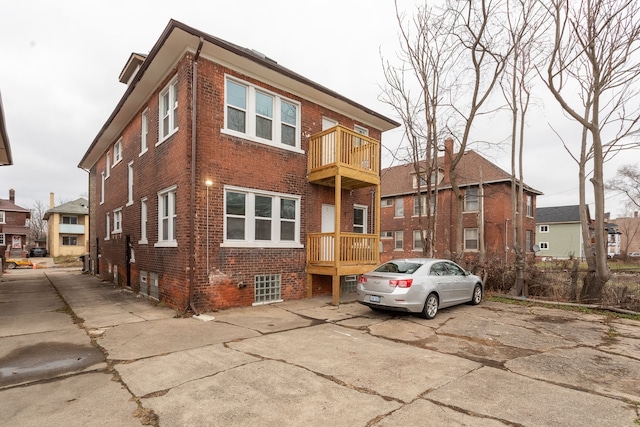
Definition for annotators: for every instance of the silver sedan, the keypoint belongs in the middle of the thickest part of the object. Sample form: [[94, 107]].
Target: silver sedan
[[418, 285]]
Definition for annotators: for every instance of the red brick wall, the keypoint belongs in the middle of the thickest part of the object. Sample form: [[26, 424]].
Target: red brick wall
[[225, 160]]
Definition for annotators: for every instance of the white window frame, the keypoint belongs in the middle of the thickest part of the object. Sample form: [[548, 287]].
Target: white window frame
[[385, 203], [472, 201], [249, 240], [171, 115], [143, 221], [117, 221], [171, 217], [417, 238], [399, 212], [529, 206], [398, 237], [144, 132], [102, 188], [108, 165], [386, 234], [365, 217], [467, 232], [2, 217], [544, 246], [250, 117], [117, 152], [544, 228], [108, 225], [130, 183]]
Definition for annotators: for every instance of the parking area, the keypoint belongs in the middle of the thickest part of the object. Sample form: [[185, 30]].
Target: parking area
[[305, 362]]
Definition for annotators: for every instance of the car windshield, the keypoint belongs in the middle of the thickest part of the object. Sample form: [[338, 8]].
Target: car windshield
[[398, 267]]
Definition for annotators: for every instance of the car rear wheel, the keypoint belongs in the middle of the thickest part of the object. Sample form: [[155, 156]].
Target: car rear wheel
[[430, 306], [11, 265], [477, 295]]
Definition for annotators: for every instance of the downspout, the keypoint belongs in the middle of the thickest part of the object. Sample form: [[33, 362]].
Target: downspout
[[192, 242]]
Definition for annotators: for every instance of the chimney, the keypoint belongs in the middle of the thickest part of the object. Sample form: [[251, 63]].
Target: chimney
[[12, 195], [51, 203], [448, 154], [635, 214]]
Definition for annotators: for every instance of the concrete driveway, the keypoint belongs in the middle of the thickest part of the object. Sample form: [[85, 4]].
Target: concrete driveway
[[77, 351]]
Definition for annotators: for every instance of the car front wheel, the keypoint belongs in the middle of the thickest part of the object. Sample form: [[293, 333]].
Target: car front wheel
[[477, 295], [11, 265], [430, 306]]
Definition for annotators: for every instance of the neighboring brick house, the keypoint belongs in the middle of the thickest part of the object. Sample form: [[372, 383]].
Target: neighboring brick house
[[559, 232], [253, 188], [67, 228], [487, 192], [13, 229], [628, 229]]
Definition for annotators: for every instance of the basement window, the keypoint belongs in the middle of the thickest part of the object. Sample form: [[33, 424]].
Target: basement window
[[267, 289]]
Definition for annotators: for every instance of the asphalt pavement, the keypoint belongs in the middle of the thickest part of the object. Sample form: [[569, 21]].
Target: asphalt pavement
[[76, 351]]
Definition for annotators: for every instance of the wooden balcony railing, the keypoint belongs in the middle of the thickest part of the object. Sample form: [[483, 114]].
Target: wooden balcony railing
[[344, 148], [353, 248]]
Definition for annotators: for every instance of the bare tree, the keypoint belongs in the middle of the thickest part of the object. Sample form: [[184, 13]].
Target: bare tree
[[425, 59], [484, 48], [594, 54], [37, 225], [524, 25], [627, 182]]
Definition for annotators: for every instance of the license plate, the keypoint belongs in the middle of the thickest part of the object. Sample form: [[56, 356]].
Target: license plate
[[374, 298]]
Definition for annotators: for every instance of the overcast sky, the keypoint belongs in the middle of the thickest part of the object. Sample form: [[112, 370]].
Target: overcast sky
[[61, 61]]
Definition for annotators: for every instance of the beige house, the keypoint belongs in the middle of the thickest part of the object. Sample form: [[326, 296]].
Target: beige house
[[68, 228]]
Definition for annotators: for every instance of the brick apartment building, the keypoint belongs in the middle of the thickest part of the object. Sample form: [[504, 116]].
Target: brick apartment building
[[486, 189], [224, 179], [14, 232]]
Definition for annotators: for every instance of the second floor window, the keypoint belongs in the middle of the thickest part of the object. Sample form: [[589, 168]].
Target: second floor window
[[144, 132], [471, 200], [130, 184], [544, 228], [399, 207], [117, 152], [2, 219], [69, 219], [529, 206], [262, 116], [117, 221], [168, 110], [143, 221], [69, 241]]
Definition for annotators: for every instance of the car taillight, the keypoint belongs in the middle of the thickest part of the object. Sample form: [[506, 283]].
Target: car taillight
[[403, 283], [362, 279]]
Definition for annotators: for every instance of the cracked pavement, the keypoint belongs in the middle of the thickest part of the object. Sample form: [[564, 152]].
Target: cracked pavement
[[304, 362]]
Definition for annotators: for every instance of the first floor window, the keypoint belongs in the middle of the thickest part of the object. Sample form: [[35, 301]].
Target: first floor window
[[386, 234], [117, 221], [130, 184], [470, 239], [69, 241], [102, 189], [544, 246], [399, 240], [143, 221], [108, 225], [257, 218], [418, 244], [360, 220], [529, 236], [167, 216], [2, 239]]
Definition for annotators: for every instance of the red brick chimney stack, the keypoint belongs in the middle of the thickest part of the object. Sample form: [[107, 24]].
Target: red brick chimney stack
[[448, 155], [12, 195]]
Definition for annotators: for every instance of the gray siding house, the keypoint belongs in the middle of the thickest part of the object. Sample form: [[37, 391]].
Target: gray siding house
[[558, 232]]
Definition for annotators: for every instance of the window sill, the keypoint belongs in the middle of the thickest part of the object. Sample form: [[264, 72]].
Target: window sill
[[261, 141], [166, 244], [269, 245], [143, 242], [142, 152], [164, 138]]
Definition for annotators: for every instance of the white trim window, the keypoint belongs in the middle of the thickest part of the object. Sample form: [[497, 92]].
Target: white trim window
[[399, 207], [386, 234], [399, 241], [168, 111], [544, 228], [422, 209], [143, 222], [360, 214], [2, 217], [529, 206], [471, 200], [108, 225], [167, 217], [386, 202], [544, 246], [102, 188], [130, 184], [418, 243], [117, 152], [108, 165], [144, 132], [259, 115], [470, 239], [117, 221], [255, 218]]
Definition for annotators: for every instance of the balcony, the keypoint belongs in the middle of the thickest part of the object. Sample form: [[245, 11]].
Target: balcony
[[71, 229], [344, 153], [357, 253]]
